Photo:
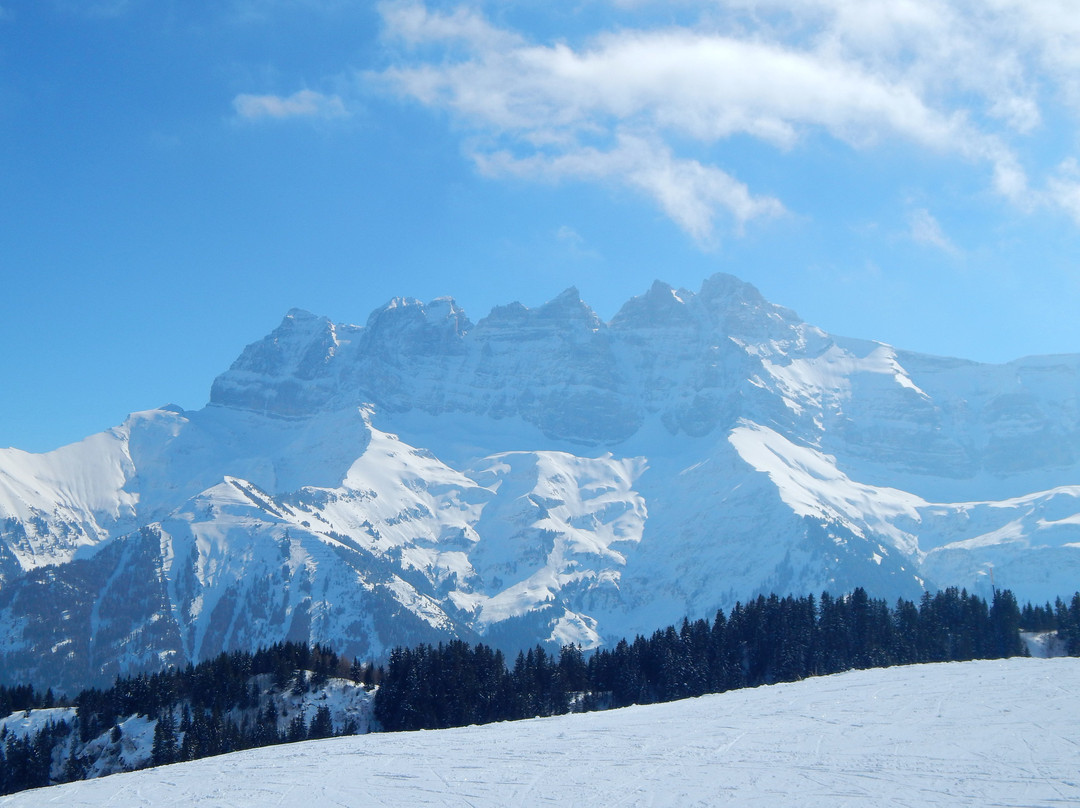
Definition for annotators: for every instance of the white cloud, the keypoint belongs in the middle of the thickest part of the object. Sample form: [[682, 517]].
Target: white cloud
[[414, 24], [982, 49], [1048, 31], [301, 104], [653, 108], [926, 230], [705, 85], [687, 191]]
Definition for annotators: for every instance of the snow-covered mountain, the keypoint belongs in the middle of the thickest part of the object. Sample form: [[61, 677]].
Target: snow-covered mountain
[[963, 734], [539, 475]]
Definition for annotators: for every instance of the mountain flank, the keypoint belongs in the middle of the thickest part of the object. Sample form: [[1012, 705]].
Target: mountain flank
[[536, 476]]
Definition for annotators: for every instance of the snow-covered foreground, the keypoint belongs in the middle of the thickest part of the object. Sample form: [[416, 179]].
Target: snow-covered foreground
[[975, 733]]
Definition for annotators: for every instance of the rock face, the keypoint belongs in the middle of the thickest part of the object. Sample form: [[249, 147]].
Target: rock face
[[538, 476]]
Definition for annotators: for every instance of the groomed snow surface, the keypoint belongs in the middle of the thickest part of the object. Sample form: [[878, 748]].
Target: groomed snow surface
[[1000, 733]]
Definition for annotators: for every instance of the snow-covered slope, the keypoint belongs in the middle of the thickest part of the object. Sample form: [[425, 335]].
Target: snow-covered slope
[[538, 476], [128, 742], [973, 733]]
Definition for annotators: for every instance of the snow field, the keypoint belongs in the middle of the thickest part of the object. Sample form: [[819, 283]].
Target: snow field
[[1001, 733]]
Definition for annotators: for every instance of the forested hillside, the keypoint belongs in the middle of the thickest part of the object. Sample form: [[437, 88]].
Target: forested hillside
[[767, 640]]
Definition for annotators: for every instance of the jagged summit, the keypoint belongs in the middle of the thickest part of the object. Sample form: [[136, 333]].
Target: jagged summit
[[723, 286], [567, 308], [660, 307], [309, 364], [288, 372]]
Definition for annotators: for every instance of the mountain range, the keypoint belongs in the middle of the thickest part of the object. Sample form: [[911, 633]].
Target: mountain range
[[537, 476]]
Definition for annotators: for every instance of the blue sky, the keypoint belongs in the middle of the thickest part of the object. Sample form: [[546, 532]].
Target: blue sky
[[175, 176]]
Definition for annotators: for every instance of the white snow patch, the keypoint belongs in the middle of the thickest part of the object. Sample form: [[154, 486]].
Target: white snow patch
[[30, 722], [809, 482]]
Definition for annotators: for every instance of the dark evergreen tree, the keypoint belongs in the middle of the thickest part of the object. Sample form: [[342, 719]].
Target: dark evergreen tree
[[297, 730], [322, 725], [573, 673], [1005, 626], [1068, 623], [165, 748]]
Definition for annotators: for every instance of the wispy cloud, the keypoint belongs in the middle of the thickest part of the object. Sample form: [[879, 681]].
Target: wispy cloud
[[574, 245], [623, 106], [301, 104], [1063, 190], [414, 24], [688, 191], [926, 230]]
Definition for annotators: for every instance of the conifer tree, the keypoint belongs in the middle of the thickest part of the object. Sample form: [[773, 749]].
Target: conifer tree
[[165, 748], [322, 726]]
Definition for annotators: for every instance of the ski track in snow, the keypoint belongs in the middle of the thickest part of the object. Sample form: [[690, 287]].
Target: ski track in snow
[[1000, 733]]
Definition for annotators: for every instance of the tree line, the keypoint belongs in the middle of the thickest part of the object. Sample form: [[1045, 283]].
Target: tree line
[[764, 641]]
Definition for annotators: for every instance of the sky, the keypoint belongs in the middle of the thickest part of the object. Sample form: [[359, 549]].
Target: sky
[[175, 176]]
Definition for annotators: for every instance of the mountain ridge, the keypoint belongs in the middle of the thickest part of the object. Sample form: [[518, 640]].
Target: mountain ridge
[[539, 475]]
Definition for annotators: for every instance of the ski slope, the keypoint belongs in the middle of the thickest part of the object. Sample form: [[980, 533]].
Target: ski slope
[[1001, 733]]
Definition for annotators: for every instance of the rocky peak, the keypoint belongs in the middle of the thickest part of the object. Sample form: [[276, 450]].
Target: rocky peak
[[406, 327], [568, 308], [737, 309], [288, 372], [444, 312], [660, 307], [301, 345]]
